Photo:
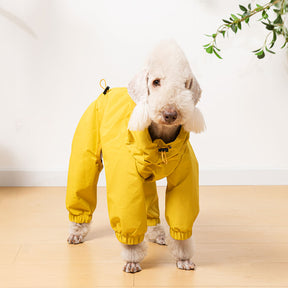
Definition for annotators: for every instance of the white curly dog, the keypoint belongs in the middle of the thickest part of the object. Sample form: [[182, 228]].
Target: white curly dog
[[173, 94]]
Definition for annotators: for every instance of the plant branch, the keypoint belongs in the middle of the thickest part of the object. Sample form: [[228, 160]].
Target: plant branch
[[235, 24]]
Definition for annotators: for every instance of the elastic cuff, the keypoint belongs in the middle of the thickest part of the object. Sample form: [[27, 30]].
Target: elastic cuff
[[153, 222], [80, 218], [180, 235], [129, 240]]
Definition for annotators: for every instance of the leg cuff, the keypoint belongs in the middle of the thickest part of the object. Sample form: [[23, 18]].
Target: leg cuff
[[80, 218], [180, 235], [153, 222], [129, 240]]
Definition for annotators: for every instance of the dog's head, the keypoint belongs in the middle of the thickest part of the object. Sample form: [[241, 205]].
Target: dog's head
[[166, 92]]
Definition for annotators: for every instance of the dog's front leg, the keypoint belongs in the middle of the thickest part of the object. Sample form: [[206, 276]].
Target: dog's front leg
[[182, 251], [133, 255], [77, 231]]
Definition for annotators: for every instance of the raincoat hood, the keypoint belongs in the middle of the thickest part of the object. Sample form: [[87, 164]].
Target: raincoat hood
[[157, 159]]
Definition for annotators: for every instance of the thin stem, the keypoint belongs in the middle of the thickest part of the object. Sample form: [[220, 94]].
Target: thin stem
[[257, 10], [226, 27]]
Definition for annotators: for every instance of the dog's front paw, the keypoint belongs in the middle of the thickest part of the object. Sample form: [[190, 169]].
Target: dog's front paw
[[132, 267], [185, 265], [78, 231], [75, 239]]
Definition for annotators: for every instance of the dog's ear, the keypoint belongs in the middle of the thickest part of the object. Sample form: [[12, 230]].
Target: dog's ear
[[138, 91], [138, 87], [194, 86], [195, 123]]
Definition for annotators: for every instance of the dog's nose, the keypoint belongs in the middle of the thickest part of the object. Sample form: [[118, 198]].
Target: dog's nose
[[169, 116]]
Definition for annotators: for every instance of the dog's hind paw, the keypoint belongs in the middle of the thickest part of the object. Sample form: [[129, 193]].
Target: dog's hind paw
[[156, 234], [131, 267], [185, 265], [160, 240]]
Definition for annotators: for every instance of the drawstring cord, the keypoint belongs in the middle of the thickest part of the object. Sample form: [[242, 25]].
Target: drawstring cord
[[163, 155], [104, 87]]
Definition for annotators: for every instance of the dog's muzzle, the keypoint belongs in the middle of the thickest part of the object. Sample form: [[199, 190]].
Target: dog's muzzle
[[169, 115]]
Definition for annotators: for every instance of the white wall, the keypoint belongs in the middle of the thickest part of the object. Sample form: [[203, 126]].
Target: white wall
[[54, 52]]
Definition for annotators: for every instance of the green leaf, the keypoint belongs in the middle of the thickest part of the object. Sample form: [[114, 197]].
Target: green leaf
[[274, 39], [226, 21], [286, 41], [223, 33], [217, 53], [234, 28], [249, 6], [209, 49], [247, 20], [259, 7], [239, 25], [243, 8], [234, 17], [278, 20], [264, 15], [270, 51], [268, 26], [260, 54], [257, 50], [206, 45]]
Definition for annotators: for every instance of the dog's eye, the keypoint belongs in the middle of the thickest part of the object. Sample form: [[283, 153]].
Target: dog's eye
[[188, 83], [156, 83]]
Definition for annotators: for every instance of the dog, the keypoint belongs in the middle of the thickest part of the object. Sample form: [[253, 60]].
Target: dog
[[142, 134]]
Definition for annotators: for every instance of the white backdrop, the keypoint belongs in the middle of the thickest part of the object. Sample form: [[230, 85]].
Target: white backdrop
[[54, 52]]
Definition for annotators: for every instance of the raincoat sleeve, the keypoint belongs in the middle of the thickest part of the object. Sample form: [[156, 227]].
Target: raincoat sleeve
[[182, 196], [84, 167]]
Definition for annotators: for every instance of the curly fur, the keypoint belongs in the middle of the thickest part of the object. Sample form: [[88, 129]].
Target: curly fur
[[179, 89], [134, 253], [180, 249], [156, 234]]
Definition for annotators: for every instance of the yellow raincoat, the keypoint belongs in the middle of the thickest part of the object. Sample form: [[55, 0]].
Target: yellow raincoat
[[132, 165]]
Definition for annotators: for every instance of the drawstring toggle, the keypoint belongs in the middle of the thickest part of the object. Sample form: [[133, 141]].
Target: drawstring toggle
[[163, 152]]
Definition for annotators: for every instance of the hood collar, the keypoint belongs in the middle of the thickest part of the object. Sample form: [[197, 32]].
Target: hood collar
[[147, 151]]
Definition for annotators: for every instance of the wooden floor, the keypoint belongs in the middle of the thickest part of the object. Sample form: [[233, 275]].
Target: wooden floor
[[241, 240]]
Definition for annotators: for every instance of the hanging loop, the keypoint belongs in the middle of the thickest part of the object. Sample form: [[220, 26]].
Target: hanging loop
[[104, 86]]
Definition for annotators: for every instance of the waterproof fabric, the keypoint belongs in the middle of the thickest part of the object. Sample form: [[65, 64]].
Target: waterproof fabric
[[132, 165]]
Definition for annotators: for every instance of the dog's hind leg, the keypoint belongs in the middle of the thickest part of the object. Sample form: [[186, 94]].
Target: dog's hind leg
[[133, 255], [84, 168], [156, 234]]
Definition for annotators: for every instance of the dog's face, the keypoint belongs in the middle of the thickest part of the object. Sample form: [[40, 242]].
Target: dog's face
[[170, 101], [166, 91]]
